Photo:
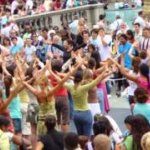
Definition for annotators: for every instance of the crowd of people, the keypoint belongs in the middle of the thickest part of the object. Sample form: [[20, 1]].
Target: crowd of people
[[30, 7], [52, 77], [19, 8]]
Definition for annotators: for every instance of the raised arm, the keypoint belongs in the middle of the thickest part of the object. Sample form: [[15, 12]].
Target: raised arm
[[32, 89], [131, 52], [99, 70], [4, 68], [12, 94], [125, 72], [59, 47], [99, 78], [49, 68], [19, 67], [4, 49], [55, 76], [65, 79], [19, 140], [6, 102]]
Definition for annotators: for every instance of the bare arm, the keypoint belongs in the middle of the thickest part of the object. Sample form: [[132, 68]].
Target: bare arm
[[6, 102], [55, 76], [125, 73], [100, 70], [39, 146], [99, 78], [18, 87], [19, 67], [49, 67], [122, 60], [64, 79], [32, 89], [130, 52], [19, 140], [5, 69]]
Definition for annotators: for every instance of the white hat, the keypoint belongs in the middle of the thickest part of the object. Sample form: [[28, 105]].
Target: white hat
[[51, 32]]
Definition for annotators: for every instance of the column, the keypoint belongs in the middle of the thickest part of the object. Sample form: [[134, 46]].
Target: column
[[147, 7]]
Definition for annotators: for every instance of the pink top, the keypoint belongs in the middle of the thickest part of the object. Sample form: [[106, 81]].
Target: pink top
[[148, 101], [143, 83]]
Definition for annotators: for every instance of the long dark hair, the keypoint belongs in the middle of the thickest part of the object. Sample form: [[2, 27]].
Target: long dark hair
[[78, 76], [144, 70], [95, 55], [101, 125], [131, 34], [7, 83], [136, 63], [140, 126], [91, 63]]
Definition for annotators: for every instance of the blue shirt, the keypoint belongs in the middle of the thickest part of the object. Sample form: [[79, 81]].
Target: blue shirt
[[73, 27], [15, 108], [142, 109], [124, 49], [15, 49]]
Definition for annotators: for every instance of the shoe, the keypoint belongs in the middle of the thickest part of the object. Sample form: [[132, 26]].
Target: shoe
[[109, 95], [118, 94]]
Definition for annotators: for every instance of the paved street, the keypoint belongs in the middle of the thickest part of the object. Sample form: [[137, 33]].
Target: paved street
[[119, 110]]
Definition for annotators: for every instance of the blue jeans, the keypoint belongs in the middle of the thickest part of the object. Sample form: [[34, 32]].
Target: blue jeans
[[71, 110], [17, 125], [108, 87], [100, 96], [83, 122]]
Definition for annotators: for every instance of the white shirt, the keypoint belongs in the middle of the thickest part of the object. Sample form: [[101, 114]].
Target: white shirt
[[141, 21], [116, 24], [138, 2], [4, 20], [14, 5], [6, 31], [14, 26], [138, 36], [29, 51], [47, 4], [105, 51], [101, 24], [132, 85], [69, 3], [29, 5]]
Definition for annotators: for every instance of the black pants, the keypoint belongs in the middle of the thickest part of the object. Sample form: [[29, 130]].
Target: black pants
[[121, 83]]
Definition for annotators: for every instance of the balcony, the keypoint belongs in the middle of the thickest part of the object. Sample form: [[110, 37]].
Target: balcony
[[89, 12], [62, 17]]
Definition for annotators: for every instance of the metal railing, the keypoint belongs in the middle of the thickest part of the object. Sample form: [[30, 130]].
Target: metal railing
[[62, 17]]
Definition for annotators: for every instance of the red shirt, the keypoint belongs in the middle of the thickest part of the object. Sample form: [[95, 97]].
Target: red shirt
[[62, 91], [57, 5]]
